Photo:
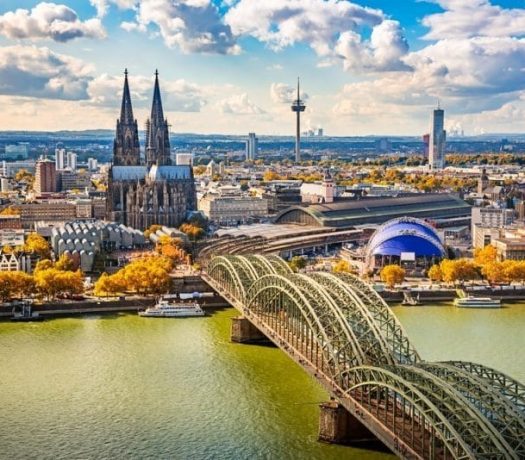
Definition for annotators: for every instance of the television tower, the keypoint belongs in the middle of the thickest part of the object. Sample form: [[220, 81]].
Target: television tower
[[298, 106]]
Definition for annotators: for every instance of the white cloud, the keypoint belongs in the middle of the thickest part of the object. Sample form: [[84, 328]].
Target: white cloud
[[330, 27], [191, 25], [472, 18], [239, 104], [281, 93], [383, 52], [48, 21], [41, 73], [102, 6]]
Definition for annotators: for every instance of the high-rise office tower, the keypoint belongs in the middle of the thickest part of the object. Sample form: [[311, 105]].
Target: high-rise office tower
[[92, 164], [298, 106], [60, 158], [252, 145], [45, 176], [71, 161], [438, 136]]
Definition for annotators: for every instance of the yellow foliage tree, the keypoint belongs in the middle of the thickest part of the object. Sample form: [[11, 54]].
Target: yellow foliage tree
[[109, 285], [514, 270], [270, 175], [15, 284], [52, 282], [458, 270], [494, 272], [193, 231], [24, 175], [149, 275], [342, 267], [171, 247], [66, 263], [199, 170], [435, 273], [44, 264], [10, 211], [392, 275], [486, 255], [37, 245]]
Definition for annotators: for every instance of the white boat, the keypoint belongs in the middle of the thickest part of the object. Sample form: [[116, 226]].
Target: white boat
[[170, 309], [477, 302]]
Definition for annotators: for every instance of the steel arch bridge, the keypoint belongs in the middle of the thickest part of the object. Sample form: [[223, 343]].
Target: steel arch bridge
[[343, 333]]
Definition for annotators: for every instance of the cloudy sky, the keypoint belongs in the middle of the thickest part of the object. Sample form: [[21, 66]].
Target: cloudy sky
[[229, 66]]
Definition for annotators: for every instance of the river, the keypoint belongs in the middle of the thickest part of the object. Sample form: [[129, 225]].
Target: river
[[127, 387]]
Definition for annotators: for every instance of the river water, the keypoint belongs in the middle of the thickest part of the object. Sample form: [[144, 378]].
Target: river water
[[127, 387]]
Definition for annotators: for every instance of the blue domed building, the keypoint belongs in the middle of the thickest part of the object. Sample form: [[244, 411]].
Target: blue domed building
[[404, 241]]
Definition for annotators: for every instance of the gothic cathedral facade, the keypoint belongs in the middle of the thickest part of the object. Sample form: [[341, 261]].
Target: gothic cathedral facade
[[150, 191]]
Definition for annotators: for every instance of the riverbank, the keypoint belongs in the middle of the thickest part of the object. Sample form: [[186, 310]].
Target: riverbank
[[98, 306], [448, 295]]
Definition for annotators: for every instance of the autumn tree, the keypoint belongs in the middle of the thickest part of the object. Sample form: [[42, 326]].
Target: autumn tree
[[171, 247], [270, 175], [66, 263], [10, 211], [15, 284], [435, 274], [458, 270], [109, 285], [342, 266], [297, 263], [24, 175], [37, 245], [52, 282], [486, 255], [494, 272], [514, 270], [43, 264], [392, 275], [199, 170], [148, 275], [193, 231]]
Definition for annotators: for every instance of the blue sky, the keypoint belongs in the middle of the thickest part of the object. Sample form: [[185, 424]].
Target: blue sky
[[229, 66]]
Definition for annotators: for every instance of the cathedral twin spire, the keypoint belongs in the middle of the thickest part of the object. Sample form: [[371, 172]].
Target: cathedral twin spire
[[126, 149]]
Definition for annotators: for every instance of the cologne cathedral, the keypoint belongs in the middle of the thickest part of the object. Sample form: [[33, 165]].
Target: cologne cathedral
[[143, 192]]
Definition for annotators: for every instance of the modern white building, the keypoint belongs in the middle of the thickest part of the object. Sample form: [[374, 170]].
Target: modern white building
[[230, 206], [4, 185], [71, 161], [252, 146], [487, 224], [438, 135], [184, 159], [92, 164], [319, 192], [60, 158]]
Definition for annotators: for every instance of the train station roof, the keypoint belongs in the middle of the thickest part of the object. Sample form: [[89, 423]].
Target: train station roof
[[354, 213]]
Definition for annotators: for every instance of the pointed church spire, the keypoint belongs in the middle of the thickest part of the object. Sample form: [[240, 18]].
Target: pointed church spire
[[126, 148], [157, 135], [157, 114], [126, 111]]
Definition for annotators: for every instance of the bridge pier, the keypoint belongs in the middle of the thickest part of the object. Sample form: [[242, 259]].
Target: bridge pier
[[338, 426], [243, 331]]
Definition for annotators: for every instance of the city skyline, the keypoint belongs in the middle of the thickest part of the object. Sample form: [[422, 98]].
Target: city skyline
[[367, 67]]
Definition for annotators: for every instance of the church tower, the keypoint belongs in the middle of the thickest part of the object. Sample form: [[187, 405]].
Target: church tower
[[126, 147], [157, 132]]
